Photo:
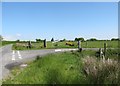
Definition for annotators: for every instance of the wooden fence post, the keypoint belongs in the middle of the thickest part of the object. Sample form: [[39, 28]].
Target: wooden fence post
[[29, 44], [101, 53], [79, 46], [45, 43], [105, 46]]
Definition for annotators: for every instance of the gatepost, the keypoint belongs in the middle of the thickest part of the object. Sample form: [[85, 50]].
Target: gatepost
[[29, 44], [79, 46], [105, 46], [45, 43]]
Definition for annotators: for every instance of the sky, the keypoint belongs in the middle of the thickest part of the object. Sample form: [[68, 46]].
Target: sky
[[44, 20]]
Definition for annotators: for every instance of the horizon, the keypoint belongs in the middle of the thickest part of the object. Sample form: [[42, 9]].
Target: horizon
[[64, 38], [59, 20]]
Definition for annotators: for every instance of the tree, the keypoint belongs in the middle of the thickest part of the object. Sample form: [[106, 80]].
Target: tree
[[64, 39], [115, 39], [76, 39], [52, 39], [18, 40], [92, 39], [38, 40], [79, 39]]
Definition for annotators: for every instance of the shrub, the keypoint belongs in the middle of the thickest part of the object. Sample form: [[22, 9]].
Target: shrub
[[56, 44]]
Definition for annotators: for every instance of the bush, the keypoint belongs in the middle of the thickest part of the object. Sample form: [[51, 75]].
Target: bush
[[56, 44]]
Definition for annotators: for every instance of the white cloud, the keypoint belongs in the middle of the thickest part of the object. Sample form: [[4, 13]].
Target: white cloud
[[18, 34], [12, 37], [9, 38]]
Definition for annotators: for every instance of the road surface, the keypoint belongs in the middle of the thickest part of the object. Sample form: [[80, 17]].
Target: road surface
[[10, 58]]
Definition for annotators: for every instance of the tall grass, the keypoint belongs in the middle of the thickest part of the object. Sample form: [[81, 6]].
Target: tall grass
[[101, 71]]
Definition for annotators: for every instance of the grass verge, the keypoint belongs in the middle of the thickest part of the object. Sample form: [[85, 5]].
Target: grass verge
[[65, 68]]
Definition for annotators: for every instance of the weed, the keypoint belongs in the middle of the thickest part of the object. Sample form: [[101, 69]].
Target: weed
[[100, 71]]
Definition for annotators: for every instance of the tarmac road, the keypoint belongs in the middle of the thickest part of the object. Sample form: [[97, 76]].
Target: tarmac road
[[10, 58]]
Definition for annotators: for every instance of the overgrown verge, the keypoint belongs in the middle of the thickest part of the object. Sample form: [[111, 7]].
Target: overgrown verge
[[69, 68], [101, 71]]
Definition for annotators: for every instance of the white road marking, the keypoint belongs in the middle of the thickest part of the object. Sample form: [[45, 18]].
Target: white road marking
[[68, 49], [13, 55], [19, 55], [73, 49], [57, 50]]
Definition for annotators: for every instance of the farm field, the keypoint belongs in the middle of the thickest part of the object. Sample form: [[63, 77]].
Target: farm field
[[68, 68], [50, 45]]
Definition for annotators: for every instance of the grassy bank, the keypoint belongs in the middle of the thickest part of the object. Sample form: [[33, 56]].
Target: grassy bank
[[66, 68], [50, 45], [3, 43]]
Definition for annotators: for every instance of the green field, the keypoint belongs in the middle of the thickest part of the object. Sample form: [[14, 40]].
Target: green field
[[67, 68], [87, 44]]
